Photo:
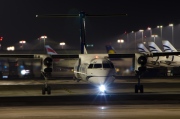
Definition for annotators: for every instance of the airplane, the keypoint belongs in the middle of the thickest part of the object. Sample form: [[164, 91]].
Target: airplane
[[153, 47], [110, 49], [172, 60], [142, 49], [68, 63], [93, 68], [168, 47], [97, 69], [124, 66], [81, 68], [152, 61], [161, 61], [168, 61]]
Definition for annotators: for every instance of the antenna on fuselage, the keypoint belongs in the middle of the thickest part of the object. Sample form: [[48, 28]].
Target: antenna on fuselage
[[81, 16]]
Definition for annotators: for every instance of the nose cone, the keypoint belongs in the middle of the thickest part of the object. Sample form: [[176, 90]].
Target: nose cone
[[101, 76]]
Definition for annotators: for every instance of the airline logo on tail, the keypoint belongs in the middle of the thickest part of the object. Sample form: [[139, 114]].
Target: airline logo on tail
[[153, 47], [49, 50], [168, 47], [142, 48], [110, 49]]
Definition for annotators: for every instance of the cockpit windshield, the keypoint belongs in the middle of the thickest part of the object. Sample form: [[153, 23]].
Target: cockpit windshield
[[105, 64], [97, 65]]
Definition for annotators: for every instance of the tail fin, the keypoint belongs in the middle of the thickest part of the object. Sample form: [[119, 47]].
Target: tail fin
[[153, 47], [110, 49], [49, 50], [142, 48], [168, 47], [85, 51]]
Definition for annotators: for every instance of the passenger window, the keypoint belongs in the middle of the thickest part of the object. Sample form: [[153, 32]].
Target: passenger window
[[97, 65], [106, 65], [90, 66]]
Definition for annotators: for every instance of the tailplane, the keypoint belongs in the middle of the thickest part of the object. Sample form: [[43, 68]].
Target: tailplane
[[49, 50], [153, 47], [110, 49], [142, 48], [168, 47]]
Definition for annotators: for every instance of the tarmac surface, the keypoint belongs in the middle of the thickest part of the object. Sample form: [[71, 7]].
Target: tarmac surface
[[22, 99], [66, 91]]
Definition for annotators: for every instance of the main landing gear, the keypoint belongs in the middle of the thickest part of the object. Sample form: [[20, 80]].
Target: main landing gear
[[46, 88], [139, 86], [142, 62]]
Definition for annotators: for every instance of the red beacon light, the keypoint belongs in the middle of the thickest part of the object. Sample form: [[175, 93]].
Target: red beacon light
[[1, 38]]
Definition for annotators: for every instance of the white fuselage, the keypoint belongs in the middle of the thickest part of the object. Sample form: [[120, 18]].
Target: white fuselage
[[172, 61], [156, 61], [98, 71]]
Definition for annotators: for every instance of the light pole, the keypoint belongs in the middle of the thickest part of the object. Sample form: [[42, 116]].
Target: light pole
[[160, 27], [154, 36], [120, 41], [134, 39], [172, 33], [22, 42], [44, 38], [150, 31], [62, 44], [142, 34], [1, 38], [127, 37]]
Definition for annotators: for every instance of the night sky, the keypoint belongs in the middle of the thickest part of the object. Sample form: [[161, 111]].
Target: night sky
[[18, 20]]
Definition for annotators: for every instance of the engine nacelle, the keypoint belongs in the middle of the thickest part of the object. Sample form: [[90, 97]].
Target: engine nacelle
[[46, 64], [140, 62]]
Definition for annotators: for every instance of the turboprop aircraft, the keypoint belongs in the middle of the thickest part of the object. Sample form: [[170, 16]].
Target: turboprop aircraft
[[172, 60], [158, 61], [95, 68], [152, 61], [168, 47]]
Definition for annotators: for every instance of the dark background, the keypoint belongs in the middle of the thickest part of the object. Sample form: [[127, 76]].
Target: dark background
[[18, 20]]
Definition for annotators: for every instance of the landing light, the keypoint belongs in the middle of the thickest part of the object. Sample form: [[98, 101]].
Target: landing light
[[24, 72], [96, 57], [102, 88]]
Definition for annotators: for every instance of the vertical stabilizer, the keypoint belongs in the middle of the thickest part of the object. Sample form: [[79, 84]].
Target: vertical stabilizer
[[142, 48], [110, 49], [153, 47], [49, 50], [168, 47], [85, 51]]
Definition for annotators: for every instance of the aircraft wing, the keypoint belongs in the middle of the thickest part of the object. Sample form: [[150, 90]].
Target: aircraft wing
[[134, 56], [121, 55], [65, 56], [17, 56], [166, 54]]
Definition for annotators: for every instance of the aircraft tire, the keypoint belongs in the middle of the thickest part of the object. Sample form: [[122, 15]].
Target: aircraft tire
[[141, 89], [43, 91], [136, 88], [48, 90]]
